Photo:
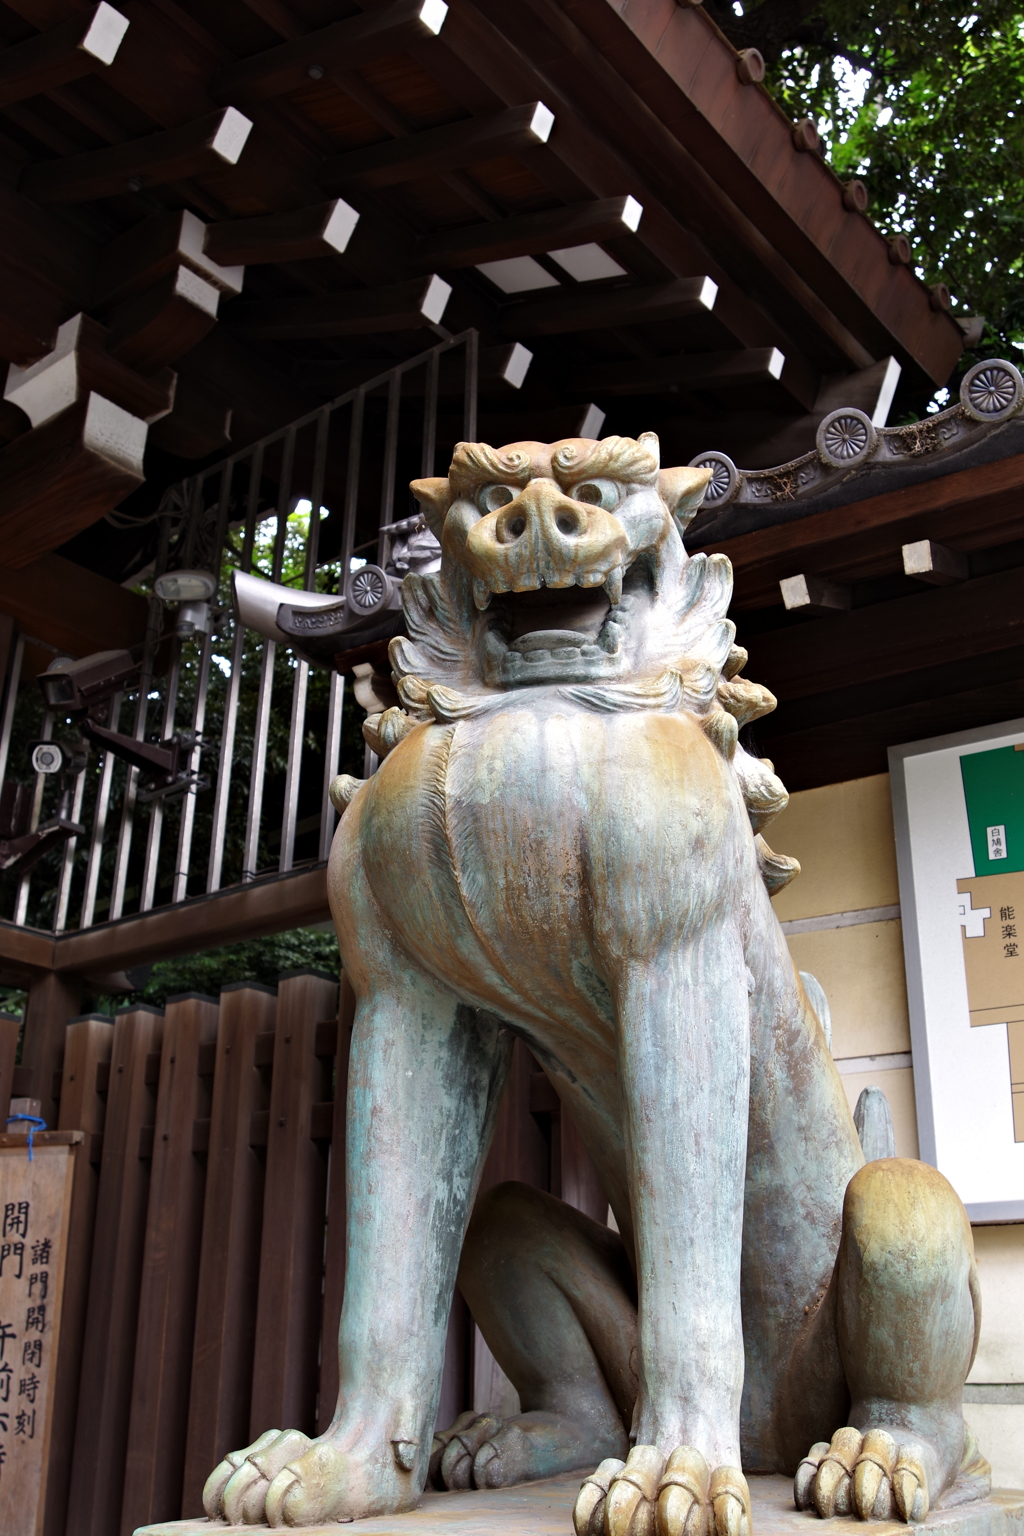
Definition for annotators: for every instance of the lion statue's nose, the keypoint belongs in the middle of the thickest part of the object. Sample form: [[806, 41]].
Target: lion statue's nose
[[544, 538]]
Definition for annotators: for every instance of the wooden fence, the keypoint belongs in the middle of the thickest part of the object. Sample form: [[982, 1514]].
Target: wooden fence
[[206, 1257]]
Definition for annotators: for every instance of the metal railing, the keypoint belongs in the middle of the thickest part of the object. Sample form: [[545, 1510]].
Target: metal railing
[[267, 734]]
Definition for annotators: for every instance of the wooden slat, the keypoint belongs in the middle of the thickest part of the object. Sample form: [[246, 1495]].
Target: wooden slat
[[52, 1001], [291, 1257], [435, 150], [155, 1461], [334, 1256], [89, 1042], [222, 1353], [347, 45], [208, 143], [581, 1185], [108, 1356]]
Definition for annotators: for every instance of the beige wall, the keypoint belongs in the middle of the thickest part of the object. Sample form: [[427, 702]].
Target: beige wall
[[843, 836]]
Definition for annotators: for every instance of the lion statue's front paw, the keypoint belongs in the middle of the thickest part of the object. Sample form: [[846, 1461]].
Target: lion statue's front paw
[[864, 1474], [651, 1496], [236, 1490]]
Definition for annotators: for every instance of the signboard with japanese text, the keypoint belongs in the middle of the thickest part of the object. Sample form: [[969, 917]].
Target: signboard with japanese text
[[958, 805], [35, 1199]]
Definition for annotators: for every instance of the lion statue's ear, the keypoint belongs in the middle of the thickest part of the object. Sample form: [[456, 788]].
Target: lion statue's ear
[[682, 491], [434, 497]]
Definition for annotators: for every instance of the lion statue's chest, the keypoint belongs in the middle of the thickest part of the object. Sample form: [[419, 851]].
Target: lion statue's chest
[[546, 840]]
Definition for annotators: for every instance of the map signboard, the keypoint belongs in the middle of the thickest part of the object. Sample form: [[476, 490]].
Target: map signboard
[[958, 805]]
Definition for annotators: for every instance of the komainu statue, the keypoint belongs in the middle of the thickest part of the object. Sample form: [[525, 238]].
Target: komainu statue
[[564, 842]]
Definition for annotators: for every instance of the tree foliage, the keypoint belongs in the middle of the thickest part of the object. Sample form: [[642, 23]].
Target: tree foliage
[[924, 101]]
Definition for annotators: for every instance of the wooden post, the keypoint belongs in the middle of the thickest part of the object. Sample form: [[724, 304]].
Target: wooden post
[[108, 1356], [83, 1108], [291, 1258], [334, 1265], [222, 1354], [10, 1029], [155, 1460], [581, 1185], [53, 999]]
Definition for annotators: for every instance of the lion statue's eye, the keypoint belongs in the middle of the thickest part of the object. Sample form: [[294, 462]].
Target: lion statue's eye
[[597, 493], [494, 496]]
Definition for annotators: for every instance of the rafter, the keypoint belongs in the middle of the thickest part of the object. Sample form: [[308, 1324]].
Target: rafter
[[205, 144], [439, 149], [300, 235], [399, 307], [66, 52], [788, 375], [350, 44], [563, 312], [608, 218]]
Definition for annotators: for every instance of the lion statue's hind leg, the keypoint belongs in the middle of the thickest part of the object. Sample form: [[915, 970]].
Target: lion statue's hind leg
[[907, 1314]]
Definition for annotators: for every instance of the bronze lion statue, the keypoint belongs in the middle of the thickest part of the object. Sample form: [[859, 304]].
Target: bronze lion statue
[[564, 842]]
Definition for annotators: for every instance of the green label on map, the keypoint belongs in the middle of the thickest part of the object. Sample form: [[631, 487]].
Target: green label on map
[[994, 791]]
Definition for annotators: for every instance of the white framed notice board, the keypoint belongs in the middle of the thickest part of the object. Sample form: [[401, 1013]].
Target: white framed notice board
[[958, 807]]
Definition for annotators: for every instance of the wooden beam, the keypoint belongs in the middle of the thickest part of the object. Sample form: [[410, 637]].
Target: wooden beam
[[563, 312], [79, 363], [934, 563], [504, 366], [61, 477], [606, 218], [199, 424], [790, 376], [72, 608], [207, 144], [158, 326], [885, 640], [972, 508], [813, 594], [436, 150], [304, 234], [349, 44], [364, 312], [154, 247], [63, 53]]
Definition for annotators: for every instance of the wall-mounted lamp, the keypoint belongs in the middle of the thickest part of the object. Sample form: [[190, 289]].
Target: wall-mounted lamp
[[193, 590]]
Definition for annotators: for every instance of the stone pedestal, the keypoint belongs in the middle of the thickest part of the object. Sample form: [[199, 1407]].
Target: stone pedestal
[[545, 1509]]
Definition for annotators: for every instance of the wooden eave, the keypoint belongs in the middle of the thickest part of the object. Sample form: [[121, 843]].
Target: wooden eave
[[741, 135]]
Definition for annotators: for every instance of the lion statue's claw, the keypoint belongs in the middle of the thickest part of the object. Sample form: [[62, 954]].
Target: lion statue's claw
[[650, 1495], [236, 1491], [868, 1475]]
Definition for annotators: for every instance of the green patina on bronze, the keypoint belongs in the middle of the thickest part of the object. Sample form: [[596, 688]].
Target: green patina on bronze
[[563, 841]]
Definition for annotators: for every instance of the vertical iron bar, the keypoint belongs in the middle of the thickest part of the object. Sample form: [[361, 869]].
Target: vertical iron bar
[[266, 685], [430, 414], [124, 840], [99, 823], [230, 721], [355, 448], [21, 903], [156, 814], [472, 386], [179, 888], [10, 702], [60, 916], [332, 748], [387, 495]]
